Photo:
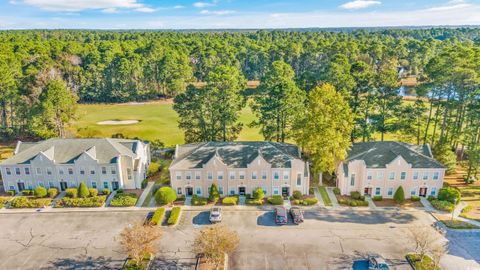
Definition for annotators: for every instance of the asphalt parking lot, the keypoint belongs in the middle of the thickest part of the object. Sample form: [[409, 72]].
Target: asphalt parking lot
[[326, 240]]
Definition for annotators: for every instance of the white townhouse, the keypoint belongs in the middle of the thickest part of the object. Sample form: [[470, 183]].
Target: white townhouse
[[239, 168], [379, 168], [63, 163]]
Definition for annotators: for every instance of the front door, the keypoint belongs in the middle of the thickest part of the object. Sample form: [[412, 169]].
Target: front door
[[285, 192], [189, 191], [241, 191], [63, 186], [21, 186], [423, 192], [368, 191], [114, 185]]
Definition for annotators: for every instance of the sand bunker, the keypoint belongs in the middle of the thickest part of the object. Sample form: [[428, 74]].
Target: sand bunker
[[118, 122]]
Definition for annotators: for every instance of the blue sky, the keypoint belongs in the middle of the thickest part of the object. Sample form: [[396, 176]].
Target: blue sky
[[187, 14]]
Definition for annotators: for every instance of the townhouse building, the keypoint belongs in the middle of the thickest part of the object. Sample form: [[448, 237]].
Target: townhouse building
[[379, 168], [237, 168], [63, 163]]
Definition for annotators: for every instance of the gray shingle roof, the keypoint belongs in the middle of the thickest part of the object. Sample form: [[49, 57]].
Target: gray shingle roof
[[105, 150], [379, 154], [235, 154]]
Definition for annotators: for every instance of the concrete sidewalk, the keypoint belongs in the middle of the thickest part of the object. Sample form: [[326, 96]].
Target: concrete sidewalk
[[145, 193], [319, 197], [333, 198]]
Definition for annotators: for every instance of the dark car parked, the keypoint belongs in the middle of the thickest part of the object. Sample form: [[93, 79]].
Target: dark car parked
[[148, 218], [281, 217], [297, 215]]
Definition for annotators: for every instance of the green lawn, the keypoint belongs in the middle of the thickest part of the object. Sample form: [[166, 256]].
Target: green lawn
[[158, 121], [324, 194]]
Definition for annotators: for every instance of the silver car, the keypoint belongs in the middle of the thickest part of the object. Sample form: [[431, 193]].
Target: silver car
[[216, 215]]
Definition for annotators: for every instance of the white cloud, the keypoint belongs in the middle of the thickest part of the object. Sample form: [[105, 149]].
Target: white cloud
[[203, 4], [145, 9], [178, 7], [110, 10], [217, 12], [359, 4], [79, 5], [451, 5]]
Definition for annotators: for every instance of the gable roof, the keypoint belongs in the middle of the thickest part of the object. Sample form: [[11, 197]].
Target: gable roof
[[379, 154], [235, 154], [63, 151]]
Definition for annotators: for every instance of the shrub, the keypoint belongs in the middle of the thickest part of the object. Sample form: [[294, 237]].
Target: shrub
[[276, 200], [336, 191], [82, 202], [124, 200], [467, 209], [213, 195], [310, 201], [362, 198], [24, 202], [153, 168], [165, 195], [311, 191], [297, 195], [71, 193], [181, 198], [52, 192], [355, 195], [83, 190], [415, 198], [174, 215], [362, 203], [11, 192], [158, 216], [40, 192], [442, 205], [120, 191], [93, 192], [106, 191], [197, 200], [377, 198], [353, 203], [258, 194], [449, 194], [430, 198], [253, 202], [399, 195], [27, 192], [230, 200], [144, 183]]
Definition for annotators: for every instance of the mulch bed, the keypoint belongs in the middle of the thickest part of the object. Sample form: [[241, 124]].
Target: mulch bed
[[138, 192], [392, 203]]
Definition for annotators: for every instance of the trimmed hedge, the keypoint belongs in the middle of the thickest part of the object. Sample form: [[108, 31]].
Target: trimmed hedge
[[351, 202], [83, 190], [399, 195], [297, 195], [355, 195], [144, 183], [442, 205], [165, 195], [174, 215], [93, 192], [258, 194], [197, 200], [415, 198], [254, 201], [40, 192], [3, 201], [230, 200], [52, 192], [124, 200], [11, 192], [106, 191], [24, 202], [275, 200], [71, 193], [153, 168], [28, 192], [82, 202], [425, 264], [336, 191], [158, 216], [377, 198]]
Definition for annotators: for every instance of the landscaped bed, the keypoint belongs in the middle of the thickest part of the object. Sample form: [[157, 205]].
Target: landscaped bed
[[458, 224], [471, 195], [174, 215], [325, 197], [4, 201], [422, 264], [123, 199], [392, 203], [83, 197], [29, 202]]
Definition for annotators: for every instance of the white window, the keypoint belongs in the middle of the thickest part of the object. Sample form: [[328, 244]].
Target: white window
[[105, 185], [232, 191], [378, 191], [129, 173], [241, 175], [254, 175], [352, 180], [425, 175], [276, 175], [49, 171], [51, 184], [380, 175], [113, 171], [39, 171], [433, 192], [275, 191], [369, 175], [415, 175], [392, 176], [104, 170], [435, 175], [60, 171], [197, 175], [198, 191], [17, 171], [8, 172], [299, 179], [92, 170], [231, 175], [285, 175], [82, 171], [41, 184], [220, 175], [413, 191], [264, 175], [178, 175], [188, 175], [209, 175], [27, 171], [403, 175], [94, 184], [390, 191], [264, 190], [220, 190], [179, 191], [70, 171]]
